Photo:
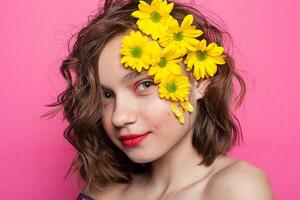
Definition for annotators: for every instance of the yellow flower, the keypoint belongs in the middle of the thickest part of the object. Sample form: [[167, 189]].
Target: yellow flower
[[175, 88], [183, 37], [187, 106], [154, 19], [205, 60], [178, 112], [164, 63], [135, 49]]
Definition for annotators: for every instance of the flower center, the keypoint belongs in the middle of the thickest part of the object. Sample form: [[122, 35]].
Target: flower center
[[163, 62], [155, 17], [201, 55], [178, 36], [136, 52], [172, 87]]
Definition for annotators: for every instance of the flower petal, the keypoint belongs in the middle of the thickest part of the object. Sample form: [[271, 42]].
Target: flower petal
[[187, 21]]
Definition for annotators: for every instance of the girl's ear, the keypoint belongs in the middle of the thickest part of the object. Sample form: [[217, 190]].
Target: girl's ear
[[201, 88]]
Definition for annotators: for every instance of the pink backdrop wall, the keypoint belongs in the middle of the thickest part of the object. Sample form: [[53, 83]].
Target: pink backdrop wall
[[33, 153]]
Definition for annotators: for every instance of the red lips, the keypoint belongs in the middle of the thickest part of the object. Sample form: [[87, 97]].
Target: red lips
[[132, 140], [130, 136]]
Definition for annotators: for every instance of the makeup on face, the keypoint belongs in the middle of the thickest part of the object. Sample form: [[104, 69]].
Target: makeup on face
[[139, 83]]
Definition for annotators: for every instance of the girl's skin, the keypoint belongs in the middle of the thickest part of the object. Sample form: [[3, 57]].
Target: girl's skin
[[132, 105]]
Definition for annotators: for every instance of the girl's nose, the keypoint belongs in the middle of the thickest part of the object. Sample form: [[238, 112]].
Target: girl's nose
[[125, 112]]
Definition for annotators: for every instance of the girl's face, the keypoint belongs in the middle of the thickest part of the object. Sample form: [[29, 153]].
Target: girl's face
[[132, 106]]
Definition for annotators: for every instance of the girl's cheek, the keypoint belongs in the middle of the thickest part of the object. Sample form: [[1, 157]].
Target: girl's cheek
[[106, 119], [161, 117]]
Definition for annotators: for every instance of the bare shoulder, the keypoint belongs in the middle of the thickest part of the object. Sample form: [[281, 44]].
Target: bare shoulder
[[239, 180], [112, 191]]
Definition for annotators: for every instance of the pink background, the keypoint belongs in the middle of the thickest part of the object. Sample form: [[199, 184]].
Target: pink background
[[34, 155]]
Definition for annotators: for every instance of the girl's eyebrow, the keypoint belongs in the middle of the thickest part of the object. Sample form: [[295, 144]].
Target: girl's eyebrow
[[131, 75]]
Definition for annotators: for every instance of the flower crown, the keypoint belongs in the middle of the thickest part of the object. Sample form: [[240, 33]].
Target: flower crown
[[170, 44]]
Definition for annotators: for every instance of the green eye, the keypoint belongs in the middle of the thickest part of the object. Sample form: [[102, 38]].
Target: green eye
[[144, 85]]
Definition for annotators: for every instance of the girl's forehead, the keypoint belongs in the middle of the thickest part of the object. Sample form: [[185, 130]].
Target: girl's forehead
[[112, 47], [109, 60], [111, 50]]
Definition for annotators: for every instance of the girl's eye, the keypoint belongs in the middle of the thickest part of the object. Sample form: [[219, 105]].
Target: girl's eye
[[106, 95], [142, 86]]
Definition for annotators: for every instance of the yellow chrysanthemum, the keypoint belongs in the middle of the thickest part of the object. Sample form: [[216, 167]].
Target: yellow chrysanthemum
[[154, 19], [178, 112], [183, 37], [175, 88], [205, 60], [136, 51], [187, 106], [164, 63], [178, 109]]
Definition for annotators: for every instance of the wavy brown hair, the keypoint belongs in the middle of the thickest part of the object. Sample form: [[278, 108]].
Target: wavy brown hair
[[98, 161]]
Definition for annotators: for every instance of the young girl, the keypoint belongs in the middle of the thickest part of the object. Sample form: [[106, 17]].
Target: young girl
[[149, 102]]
